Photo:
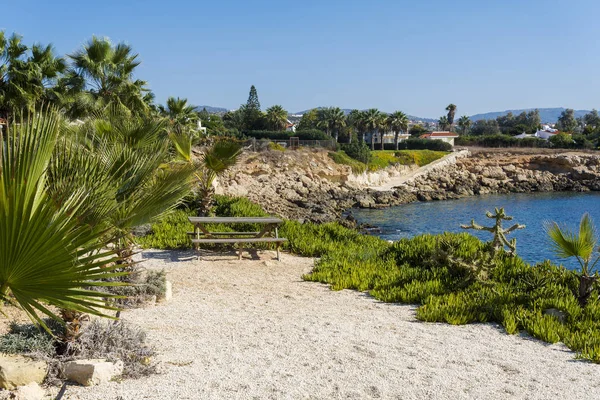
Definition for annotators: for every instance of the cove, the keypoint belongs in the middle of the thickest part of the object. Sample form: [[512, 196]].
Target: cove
[[531, 209]]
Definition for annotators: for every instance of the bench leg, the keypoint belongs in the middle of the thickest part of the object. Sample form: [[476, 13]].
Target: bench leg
[[277, 236], [240, 253]]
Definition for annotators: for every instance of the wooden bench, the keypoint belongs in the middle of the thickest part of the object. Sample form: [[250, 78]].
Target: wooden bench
[[268, 234]]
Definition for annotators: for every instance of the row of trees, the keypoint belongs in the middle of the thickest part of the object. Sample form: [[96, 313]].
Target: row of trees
[[529, 123]]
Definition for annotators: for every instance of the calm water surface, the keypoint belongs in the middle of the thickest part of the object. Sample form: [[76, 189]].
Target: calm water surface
[[530, 209]]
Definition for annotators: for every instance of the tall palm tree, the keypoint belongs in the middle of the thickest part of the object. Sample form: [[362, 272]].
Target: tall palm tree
[[451, 108], [580, 245], [464, 124], [27, 75], [337, 121], [51, 247], [179, 113], [396, 122], [373, 119], [443, 123], [106, 74], [355, 120], [277, 118]]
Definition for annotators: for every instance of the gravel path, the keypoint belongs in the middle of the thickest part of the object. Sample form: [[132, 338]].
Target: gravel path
[[253, 329]]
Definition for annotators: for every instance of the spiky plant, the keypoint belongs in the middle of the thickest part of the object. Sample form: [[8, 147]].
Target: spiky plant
[[581, 245], [134, 153], [499, 240], [50, 245]]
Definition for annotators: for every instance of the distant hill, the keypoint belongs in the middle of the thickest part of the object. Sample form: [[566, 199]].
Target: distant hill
[[547, 115], [347, 111], [213, 110]]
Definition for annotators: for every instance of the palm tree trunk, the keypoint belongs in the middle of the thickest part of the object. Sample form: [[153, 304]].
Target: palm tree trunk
[[336, 136], [396, 139], [372, 141], [586, 285]]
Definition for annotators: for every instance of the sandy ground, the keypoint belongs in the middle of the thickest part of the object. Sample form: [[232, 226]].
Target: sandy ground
[[252, 329]]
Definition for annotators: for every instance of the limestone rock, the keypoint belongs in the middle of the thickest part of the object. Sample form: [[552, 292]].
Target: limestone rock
[[92, 372], [20, 371], [33, 391], [168, 291]]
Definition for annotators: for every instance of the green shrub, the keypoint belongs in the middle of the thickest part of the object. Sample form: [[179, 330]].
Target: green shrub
[[276, 147], [340, 157], [358, 150]]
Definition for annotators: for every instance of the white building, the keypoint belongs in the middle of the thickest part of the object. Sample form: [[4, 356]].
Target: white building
[[444, 136]]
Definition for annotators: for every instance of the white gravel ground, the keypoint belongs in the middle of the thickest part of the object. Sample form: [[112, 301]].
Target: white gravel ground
[[252, 329]]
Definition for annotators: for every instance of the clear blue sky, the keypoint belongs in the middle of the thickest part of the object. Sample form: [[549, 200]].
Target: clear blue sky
[[414, 56]]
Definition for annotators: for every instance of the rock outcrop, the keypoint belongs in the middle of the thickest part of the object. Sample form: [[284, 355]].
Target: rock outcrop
[[486, 173], [92, 372], [306, 185]]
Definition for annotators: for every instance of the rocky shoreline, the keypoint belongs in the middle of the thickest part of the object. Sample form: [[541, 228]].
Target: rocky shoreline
[[307, 185], [499, 173]]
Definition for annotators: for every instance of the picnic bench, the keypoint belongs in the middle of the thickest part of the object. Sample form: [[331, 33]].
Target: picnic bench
[[268, 234]]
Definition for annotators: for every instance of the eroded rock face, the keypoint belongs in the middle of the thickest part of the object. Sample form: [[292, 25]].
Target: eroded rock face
[[304, 185], [92, 372], [20, 371]]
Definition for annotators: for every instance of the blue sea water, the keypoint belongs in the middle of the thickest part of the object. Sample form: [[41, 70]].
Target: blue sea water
[[530, 209]]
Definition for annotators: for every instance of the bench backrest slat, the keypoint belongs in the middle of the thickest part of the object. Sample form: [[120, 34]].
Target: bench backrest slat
[[233, 220]]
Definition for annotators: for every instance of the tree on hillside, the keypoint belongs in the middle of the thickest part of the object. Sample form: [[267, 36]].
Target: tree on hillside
[[417, 130], [485, 127], [566, 121], [179, 113], [464, 125], [373, 120], [443, 123], [592, 121], [235, 119], [309, 120], [277, 118], [397, 122], [28, 76], [252, 114], [451, 113], [102, 75]]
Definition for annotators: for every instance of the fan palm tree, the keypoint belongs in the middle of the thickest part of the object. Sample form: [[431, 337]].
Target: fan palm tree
[[580, 245], [214, 161], [451, 108], [135, 153], [105, 73], [396, 122], [373, 120], [179, 113], [50, 246], [277, 118], [443, 123], [464, 124]]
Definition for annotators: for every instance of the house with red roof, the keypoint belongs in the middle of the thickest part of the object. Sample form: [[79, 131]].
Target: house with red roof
[[444, 136]]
